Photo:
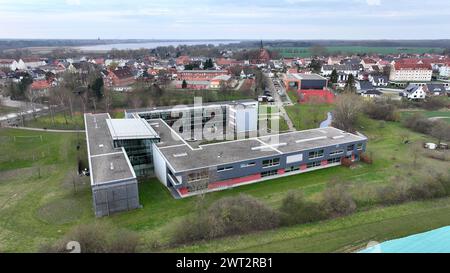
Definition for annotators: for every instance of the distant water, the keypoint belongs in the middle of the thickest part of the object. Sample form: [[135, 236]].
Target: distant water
[[151, 45], [434, 241]]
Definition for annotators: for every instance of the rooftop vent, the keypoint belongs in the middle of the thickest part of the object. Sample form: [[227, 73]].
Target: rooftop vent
[[100, 145], [310, 139], [111, 166], [180, 155]]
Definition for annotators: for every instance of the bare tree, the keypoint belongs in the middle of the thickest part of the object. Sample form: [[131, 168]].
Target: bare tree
[[441, 131], [345, 115], [107, 98]]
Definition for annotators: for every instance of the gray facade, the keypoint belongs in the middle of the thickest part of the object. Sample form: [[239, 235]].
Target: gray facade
[[190, 170], [115, 197], [113, 180]]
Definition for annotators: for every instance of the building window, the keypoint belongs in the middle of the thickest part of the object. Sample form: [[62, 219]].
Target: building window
[[337, 152], [313, 164], [350, 148], [193, 177], [315, 154], [269, 173], [271, 162], [334, 160], [245, 165], [292, 169], [222, 169], [359, 146]]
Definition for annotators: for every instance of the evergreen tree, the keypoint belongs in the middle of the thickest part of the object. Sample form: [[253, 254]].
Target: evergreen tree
[[334, 76], [184, 84], [97, 87], [350, 85]]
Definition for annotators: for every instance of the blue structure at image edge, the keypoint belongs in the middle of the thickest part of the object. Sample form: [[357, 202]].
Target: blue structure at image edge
[[434, 241]]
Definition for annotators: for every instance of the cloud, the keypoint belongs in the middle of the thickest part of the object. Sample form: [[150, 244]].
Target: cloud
[[373, 2], [73, 2]]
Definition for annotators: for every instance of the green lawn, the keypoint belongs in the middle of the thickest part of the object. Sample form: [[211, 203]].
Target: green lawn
[[59, 121], [348, 234], [6, 109], [270, 110], [38, 203], [308, 116], [429, 114], [290, 52]]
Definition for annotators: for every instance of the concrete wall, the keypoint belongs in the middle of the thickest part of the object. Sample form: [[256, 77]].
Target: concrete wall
[[115, 197], [159, 164]]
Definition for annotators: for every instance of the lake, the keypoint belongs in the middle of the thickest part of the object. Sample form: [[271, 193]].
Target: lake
[[151, 45]]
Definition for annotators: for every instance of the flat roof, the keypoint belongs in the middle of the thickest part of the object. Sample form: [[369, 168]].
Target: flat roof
[[106, 163], [135, 128], [204, 104], [181, 156], [301, 76]]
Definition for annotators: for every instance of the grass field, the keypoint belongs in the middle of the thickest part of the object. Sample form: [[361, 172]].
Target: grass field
[[38, 202], [6, 109], [429, 114], [270, 110], [347, 234], [59, 122], [303, 52], [308, 116]]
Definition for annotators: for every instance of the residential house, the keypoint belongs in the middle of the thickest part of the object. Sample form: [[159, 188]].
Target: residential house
[[40, 87], [372, 93], [444, 70], [33, 62], [216, 82], [414, 92], [121, 77], [367, 63], [362, 86], [434, 89], [183, 60], [378, 81]]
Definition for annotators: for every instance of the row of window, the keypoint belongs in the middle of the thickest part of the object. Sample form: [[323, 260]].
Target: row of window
[[276, 161], [192, 177]]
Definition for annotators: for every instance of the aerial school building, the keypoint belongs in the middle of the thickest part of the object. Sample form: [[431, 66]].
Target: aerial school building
[[145, 144]]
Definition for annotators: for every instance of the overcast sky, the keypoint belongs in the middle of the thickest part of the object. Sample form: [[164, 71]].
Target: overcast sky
[[230, 19]]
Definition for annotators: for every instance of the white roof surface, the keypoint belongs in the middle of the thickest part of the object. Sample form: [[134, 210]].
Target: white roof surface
[[130, 129]]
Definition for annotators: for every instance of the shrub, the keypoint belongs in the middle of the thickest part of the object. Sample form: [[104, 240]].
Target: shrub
[[337, 201], [426, 189], [227, 216], [418, 123], [124, 241], [435, 103], [400, 192], [95, 238], [381, 110], [296, 210], [366, 158], [347, 162], [394, 193]]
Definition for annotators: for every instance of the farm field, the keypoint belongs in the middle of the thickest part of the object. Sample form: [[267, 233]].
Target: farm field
[[47, 199], [304, 52]]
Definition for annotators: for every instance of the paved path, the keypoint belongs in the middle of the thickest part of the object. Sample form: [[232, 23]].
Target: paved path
[[46, 130], [279, 102], [436, 118]]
